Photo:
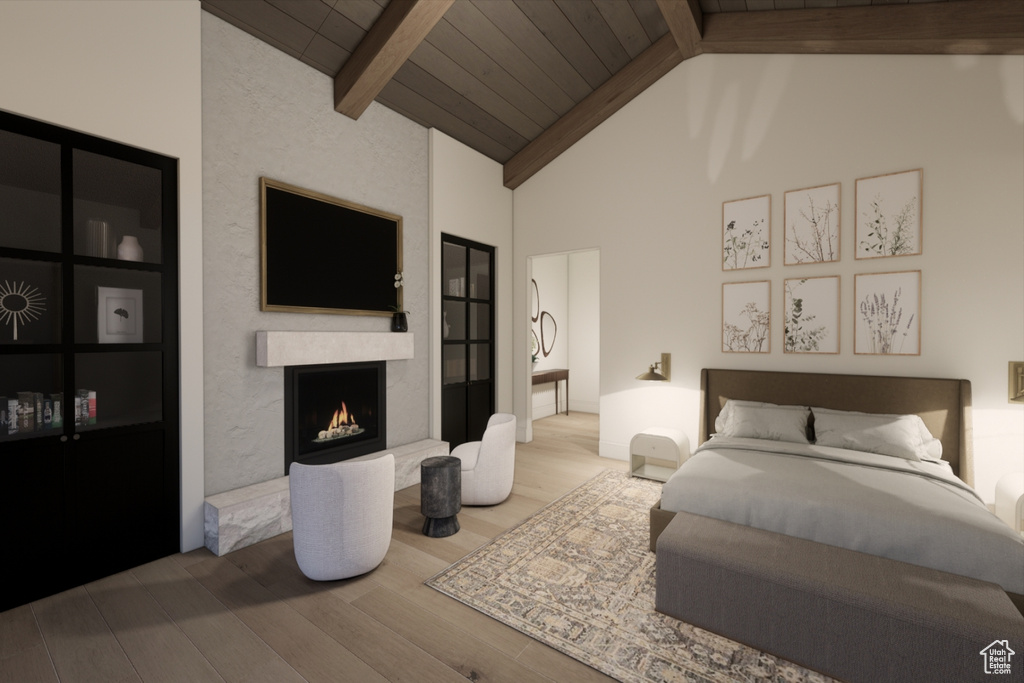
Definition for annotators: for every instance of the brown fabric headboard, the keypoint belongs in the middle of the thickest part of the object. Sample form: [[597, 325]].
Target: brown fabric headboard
[[943, 404]]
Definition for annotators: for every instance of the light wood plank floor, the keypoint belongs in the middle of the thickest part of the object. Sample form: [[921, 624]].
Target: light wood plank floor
[[252, 616]]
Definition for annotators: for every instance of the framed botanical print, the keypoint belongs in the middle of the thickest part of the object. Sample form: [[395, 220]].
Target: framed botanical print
[[812, 315], [746, 233], [746, 317], [118, 315], [812, 225], [888, 215], [887, 314]]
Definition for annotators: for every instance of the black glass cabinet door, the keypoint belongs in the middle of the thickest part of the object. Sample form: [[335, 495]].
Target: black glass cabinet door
[[467, 339]]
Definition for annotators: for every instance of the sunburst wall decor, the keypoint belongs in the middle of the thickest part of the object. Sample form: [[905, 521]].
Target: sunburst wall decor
[[20, 304]]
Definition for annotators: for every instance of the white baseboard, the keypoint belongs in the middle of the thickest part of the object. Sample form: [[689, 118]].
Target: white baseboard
[[577, 406], [615, 451]]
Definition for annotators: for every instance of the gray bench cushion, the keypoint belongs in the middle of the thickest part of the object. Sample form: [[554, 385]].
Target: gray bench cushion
[[846, 614]]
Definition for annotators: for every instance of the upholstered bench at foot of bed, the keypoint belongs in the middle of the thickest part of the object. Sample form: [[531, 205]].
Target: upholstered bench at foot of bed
[[846, 614]]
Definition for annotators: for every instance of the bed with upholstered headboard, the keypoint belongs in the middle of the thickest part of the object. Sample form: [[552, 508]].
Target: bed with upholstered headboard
[[943, 404], [910, 509], [825, 517]]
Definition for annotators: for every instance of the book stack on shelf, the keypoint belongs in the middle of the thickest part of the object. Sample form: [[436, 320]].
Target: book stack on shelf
[[85, 407], [33, 411]]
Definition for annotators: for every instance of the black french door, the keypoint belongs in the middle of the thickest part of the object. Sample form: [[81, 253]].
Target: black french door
[[467, 338]]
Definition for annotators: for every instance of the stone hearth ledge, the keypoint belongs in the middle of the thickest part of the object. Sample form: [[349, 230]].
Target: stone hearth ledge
[[239, 518]]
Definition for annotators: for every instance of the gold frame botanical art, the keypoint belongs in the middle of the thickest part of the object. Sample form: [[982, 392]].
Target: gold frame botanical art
[[811, 233], [747, 233], [887, 314], [811, 315], [746, 317], [888, 216]]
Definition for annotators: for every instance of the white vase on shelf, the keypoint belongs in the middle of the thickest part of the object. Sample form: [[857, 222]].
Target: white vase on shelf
[[129, 249]]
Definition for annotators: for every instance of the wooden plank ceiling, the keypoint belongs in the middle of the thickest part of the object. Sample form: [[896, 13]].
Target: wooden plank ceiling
[[521, 81]]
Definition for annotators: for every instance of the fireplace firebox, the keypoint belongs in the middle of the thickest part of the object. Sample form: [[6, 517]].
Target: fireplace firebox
[[334, 412]]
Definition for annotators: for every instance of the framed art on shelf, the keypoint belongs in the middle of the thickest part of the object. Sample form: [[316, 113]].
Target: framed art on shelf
[[746, 317], [28, 290], [746, 233], [888, 215], [887, 314], [812, 315], [118, 315], [811, 227]]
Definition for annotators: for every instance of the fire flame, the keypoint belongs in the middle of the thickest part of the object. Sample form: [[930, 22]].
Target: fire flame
[[341, 417]]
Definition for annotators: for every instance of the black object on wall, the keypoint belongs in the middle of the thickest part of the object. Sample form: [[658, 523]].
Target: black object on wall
[[321, 254]]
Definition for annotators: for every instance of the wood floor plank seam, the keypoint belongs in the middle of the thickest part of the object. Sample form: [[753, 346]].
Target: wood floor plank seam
[[230, 625], [174, 621], [467, 669], [42, 641]]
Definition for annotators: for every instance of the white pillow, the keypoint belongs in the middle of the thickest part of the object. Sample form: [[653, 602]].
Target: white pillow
[[778, 423], [722, 420], [901, 436]]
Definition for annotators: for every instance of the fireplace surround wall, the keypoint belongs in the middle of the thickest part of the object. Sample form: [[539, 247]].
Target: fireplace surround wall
[[242, 516]]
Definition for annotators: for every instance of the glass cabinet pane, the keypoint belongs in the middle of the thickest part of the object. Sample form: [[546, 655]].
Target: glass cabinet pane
[[29, 193], [479, 362], [118, 208], [453, 321], [479, 274], [31, 402], [479, 321], [115, 389], [116, 306], [453, 263], [453, 363], [30, 303]]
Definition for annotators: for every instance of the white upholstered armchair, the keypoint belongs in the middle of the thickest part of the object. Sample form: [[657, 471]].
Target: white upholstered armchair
[[341, 516], [488, 465]]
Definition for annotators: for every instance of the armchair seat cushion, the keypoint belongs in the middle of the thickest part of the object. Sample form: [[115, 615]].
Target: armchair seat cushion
[[468, 454]]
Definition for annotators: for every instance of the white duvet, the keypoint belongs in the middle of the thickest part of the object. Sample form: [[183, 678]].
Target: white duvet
[[917, 512]]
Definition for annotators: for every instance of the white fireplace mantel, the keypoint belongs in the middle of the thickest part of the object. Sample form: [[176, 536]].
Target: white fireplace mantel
[[278, 348]]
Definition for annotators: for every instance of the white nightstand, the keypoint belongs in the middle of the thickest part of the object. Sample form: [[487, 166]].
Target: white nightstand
[[667, 447], [1010, 500]]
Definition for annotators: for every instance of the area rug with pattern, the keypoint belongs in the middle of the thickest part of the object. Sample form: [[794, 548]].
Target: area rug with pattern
[[579, 576]]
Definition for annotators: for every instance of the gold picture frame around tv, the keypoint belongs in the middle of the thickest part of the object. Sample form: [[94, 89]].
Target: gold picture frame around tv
[[321, 254]]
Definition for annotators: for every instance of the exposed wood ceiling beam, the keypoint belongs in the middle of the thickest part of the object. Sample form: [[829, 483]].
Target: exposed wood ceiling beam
[[608, 98], [390, 41], [685, 22], [977, 27]]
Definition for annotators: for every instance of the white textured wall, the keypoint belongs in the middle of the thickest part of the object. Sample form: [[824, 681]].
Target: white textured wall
[[130, 72], [468, 200], [585, 330], [647, 186], [267, 114]]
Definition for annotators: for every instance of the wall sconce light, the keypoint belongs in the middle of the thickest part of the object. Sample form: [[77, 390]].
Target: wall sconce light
[[1016, 382], [661, 371]]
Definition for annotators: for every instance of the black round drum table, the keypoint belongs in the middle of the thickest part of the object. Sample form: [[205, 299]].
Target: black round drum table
[[440, 495]]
